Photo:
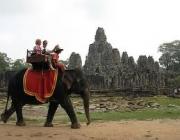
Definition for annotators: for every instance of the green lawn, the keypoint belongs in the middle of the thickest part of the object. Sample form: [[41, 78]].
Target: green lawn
[[137, 115]]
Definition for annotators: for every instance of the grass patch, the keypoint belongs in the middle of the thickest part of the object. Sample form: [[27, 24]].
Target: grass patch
[[163, 100], [134, 115]]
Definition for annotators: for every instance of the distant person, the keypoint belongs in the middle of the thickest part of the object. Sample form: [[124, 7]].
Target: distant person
[[37, 49], [55, 58]]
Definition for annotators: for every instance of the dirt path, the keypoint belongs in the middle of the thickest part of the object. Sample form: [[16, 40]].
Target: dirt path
[[124, 130]]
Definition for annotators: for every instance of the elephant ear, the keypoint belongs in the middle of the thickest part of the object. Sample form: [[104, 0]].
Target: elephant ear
[[68, 80]]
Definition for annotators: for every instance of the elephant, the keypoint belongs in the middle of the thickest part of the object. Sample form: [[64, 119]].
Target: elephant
[[60, 96]]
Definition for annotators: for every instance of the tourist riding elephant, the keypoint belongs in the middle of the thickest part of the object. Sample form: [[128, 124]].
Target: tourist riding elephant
[[78, 85]]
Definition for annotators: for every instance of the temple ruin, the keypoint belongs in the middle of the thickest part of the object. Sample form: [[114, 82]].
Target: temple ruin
[[106, 69]]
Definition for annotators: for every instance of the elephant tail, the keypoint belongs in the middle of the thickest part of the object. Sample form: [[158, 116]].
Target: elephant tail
[[10, 88], [5, 115], [7, 102], [8, 95]]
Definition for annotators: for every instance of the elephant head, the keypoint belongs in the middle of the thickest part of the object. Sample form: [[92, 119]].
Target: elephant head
[[79, 85]]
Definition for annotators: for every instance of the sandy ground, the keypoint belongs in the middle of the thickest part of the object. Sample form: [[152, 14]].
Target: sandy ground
[[123, 130]]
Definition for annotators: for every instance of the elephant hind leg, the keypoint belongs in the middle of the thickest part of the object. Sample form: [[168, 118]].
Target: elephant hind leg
[[20, 120], [7, 113]]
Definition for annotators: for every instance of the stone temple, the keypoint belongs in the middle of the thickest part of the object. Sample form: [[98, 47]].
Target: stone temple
[[75, 61], [106, 69]]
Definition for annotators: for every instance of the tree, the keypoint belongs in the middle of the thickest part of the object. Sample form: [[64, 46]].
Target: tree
[[4, 62], [166, 61], [170, 58], [18, 64]]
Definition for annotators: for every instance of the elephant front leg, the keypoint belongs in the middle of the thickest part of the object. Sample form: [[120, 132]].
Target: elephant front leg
[[51, 111], [67, 105], [20, 119]]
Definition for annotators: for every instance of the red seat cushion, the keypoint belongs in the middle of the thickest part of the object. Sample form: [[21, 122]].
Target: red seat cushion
[[40, 84]]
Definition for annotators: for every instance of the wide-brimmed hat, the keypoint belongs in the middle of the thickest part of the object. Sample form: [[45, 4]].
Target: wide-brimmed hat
[[57, 49]]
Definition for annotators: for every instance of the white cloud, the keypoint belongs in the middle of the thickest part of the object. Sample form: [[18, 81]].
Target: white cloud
[[137, 27]]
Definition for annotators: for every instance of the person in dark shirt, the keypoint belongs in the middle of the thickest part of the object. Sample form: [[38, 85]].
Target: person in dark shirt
[[47, 54]]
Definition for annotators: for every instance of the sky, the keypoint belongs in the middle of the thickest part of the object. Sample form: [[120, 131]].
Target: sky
[[135, 26]]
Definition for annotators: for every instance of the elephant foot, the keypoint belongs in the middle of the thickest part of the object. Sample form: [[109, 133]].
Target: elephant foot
[[88, 123], [75, 126], [21, 123], [3, 117], [48, 124]]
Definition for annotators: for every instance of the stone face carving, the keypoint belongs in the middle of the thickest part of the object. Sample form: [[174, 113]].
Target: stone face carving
[[75, 61], [102, 61], [116, 56], [105, 68], [100, 36]]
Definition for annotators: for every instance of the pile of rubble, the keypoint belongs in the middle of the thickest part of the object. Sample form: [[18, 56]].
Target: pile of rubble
[[107, 104]]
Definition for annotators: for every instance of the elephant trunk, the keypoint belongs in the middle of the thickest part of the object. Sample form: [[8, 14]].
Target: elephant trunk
[[85, 96]]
